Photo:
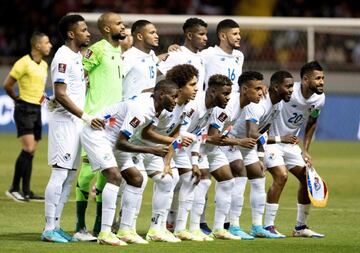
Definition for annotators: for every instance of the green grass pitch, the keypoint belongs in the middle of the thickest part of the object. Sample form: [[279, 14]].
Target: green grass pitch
[[337, 162]]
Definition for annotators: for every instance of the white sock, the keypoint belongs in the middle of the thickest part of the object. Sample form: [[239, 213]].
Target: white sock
[[186, 199], [160, 200], [223, 191], [168, 215], [66, 189], [52, 196], [171, 218], [109, 196], [302, 214], [270, 214], [199, 203], [203, 214], [138, 205], [257, 200], [129, 205], [237, 200]]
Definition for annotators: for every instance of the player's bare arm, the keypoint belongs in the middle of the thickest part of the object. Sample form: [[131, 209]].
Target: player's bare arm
[[309, 132], [9, 85]]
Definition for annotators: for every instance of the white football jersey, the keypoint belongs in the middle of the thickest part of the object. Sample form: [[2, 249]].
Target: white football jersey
[[129, 116], [261, 114], [66, 67], [296, 112], [219, 62], [139, 71], [165, 124], [185, 56]]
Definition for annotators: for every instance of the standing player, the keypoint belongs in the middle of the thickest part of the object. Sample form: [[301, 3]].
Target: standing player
[[195, 31], [30, 72], [65, 123], [305, 105], [103, 65], [225, 58], [140, 60], [127, 43]]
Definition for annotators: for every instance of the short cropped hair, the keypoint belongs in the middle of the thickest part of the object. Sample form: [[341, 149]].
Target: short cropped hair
[[182, 74], [67, 22], [35, 37], [191, 23], [138, 25], [247, 76], [226, 24], [310, 67], [165, 85], [279, 76], [219, 81]]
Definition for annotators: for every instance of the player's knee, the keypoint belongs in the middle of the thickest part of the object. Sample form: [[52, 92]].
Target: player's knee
[[136, 180], [281, 178]]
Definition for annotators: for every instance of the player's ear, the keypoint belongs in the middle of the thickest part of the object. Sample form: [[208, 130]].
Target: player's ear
[[222, 36], [189, 35], [139, 36], [70, 34], [106, 29]]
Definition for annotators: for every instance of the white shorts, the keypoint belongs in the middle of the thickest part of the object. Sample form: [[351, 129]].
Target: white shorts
[[125, 160], [64, 147], [216, 159], [98, 149], [149, 162], [182, 160], [250, 156], [283, 154], [232, 153]]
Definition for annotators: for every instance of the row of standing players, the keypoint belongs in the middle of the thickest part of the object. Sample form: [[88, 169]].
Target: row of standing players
[[136, 124]]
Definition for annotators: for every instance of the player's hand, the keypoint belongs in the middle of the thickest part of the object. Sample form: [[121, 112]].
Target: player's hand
[[217, 139], [160, 150], [186, 141], [247, 142], [196, 174], [174, 48], [97, 124], [290, 139], [307, 158], [167, 170]]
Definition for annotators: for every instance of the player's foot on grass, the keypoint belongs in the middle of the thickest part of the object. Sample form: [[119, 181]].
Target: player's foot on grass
[[109, 238], [84, 236], [273, 230], [15, 195], [199, 236], [260, 232], [224, 235], [66, 235], [237, 231], [156, 235], [34, 197], [205, 228], [183, 235], [130, 236], [170, 237], [304, 231], [52, 236]]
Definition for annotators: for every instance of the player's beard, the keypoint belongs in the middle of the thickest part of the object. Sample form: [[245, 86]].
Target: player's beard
[[118, 36], [316, 91], [232, 44]]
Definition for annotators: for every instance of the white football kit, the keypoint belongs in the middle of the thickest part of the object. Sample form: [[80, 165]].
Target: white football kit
[[292, 117], [125, 118], [261, 114], [139, 71], [64, 128], [185, 56], [219, 62]]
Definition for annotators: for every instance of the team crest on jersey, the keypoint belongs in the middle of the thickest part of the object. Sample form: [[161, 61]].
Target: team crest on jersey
[[222, 59], [88, 53], [135, 122], [222, 117], [312, 107], [62, 67], [237, 60], [189, 114], [107, 157]]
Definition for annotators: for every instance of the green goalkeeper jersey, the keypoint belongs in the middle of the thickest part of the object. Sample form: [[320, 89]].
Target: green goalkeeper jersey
[[103, 64]]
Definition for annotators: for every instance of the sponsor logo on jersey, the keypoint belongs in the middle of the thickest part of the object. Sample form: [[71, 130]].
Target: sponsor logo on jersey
[[62, 67], [222, 59], [222, 117], [134, 122], [293, 106], [88, 53], [237, 60]]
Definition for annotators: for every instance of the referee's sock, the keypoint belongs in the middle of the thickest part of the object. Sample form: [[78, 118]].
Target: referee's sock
[[20, 166], [27, 170]]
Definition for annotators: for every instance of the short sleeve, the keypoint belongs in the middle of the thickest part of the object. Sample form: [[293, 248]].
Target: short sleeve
[[252, 113], [18, 69], [133, 120], [92, 57], [60, 70]]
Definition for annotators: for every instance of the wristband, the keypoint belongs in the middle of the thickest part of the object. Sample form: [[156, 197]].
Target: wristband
[[277, 139], [194, 160], [86, 118], [261, 154]]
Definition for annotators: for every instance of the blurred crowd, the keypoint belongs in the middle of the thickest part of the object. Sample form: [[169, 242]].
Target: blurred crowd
[[19, 18]]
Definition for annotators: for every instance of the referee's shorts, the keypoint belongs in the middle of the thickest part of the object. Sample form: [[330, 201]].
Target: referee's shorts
[[27, 118]]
